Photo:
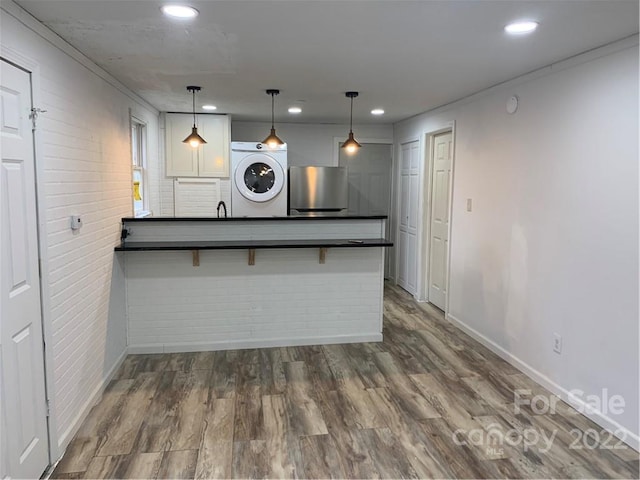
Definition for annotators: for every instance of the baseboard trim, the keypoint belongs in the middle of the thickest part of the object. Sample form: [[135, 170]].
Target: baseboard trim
[[261, 343], [95, 396], [624, 434]]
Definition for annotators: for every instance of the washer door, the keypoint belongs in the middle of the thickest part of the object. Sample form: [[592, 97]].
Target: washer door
[[259, 177]]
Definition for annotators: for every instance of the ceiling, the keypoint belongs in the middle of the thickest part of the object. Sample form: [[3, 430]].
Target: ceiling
[[403, 56]]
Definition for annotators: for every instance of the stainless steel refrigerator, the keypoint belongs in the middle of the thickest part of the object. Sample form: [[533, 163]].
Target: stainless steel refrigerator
[[318, 191]]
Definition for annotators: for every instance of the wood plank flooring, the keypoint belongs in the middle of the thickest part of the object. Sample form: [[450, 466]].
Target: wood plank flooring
[[427, 402]]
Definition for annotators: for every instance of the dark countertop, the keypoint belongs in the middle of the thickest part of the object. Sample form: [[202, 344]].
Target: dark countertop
[[245, 219], [246, 244]]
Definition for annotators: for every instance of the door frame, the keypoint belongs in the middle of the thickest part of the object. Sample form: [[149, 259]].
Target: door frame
[[33, 68], [425, 206]]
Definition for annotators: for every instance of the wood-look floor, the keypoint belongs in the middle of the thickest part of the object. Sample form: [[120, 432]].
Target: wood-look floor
[[373, 410]]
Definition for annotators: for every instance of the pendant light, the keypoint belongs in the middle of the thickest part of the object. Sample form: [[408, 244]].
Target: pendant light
[[194, 139], [351, 146], [273, 141]]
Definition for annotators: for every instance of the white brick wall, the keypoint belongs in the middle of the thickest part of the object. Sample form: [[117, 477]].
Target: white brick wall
[[83, 147], [299, 229], [164, 184], [287, 297], [196, 197]]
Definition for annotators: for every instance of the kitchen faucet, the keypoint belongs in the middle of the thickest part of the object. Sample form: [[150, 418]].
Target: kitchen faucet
[[223, 205]]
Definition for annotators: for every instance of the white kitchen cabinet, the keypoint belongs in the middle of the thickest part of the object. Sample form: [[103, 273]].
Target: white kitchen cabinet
[[208, 160]]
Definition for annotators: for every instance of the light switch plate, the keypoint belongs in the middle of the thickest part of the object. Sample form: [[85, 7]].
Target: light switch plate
[[469, 206]]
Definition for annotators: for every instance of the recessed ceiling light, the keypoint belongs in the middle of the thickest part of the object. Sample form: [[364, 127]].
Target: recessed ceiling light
[[377, 111], [179, 11], [519, 28], [295, 110], [209, 107]]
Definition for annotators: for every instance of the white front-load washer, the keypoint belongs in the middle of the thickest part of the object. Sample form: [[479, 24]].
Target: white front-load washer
[[258, 180]]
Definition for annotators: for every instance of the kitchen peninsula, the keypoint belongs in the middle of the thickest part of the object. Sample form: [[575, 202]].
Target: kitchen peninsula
[[219, 283]]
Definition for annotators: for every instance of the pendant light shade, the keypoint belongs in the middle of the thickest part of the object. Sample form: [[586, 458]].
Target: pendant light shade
[[273, 141], [351, 145], [194, 139]]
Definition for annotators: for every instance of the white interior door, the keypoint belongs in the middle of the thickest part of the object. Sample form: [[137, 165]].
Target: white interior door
[[24, 421], [407, 271], [369, 173], [439, 239]]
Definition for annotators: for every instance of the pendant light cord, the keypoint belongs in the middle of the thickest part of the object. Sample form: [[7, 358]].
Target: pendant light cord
[[351, 117], [272, 115], [193, 94]]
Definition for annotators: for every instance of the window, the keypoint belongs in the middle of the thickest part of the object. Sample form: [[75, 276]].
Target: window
[[139, 159]]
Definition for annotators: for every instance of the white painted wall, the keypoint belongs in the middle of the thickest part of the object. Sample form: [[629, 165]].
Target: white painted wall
[[551, 245], [308, 144], [83, 154]]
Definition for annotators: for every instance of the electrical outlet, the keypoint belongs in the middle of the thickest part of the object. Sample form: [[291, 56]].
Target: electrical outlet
[[557, 343], [76, 222]]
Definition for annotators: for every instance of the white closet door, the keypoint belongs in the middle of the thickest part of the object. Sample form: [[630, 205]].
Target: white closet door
[[407, 269]]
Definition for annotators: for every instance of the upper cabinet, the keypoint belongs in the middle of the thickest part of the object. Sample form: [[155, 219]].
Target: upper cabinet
[[208, 160]]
